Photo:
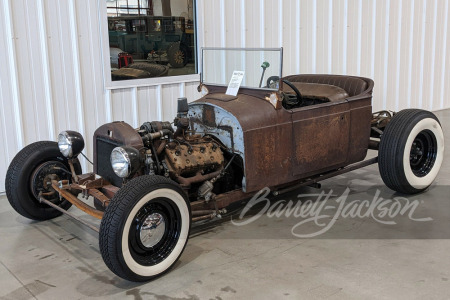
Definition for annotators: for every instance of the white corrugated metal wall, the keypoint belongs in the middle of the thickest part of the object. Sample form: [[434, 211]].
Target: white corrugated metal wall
[[401, 44], [52, 75]]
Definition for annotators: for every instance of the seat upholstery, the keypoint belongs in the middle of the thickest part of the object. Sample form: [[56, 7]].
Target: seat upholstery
[[318, 91], [352, 85]]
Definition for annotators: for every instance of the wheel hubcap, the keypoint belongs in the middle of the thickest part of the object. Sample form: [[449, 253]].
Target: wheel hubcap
[[152, 230]]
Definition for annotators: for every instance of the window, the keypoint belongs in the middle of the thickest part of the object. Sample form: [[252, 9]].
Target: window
[[151, 38]]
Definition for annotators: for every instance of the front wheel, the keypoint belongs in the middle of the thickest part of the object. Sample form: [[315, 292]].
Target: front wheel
[[145, 228], [411, 151], [30, 174]]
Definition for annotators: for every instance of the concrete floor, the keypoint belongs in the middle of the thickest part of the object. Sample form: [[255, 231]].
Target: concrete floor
[[355, 259]]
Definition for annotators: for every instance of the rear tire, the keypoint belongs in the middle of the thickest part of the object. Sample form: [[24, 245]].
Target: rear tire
[[145, 228], [27, 174], [411, 151]]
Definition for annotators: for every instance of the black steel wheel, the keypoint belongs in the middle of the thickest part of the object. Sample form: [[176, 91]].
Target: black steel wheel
[[423, 153], [411, 151], [30, 173], [145, 228]]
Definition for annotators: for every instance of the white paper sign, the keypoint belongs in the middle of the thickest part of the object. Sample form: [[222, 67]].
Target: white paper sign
[[235, 83]]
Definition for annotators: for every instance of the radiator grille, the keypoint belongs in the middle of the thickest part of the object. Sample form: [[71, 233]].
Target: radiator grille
[[103, 162]]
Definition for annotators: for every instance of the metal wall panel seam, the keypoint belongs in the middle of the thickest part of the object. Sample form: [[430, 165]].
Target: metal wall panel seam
[[64, 57], [359, 50], [422, 51], [297, 34], [77, 69], [262, 25], [212, 29], [12, 64], [330, 36], [399, 53], [386, 53], [76, 64], [314, 37], [4, 125], [223, 38], [102, 50], [433, 58], [159, 104], [411, 44], [94, 77], [32, 84], [182, 90], [244, 27], [374, 24], [444, 55], [135, 106], [45, 69], [345, 38], [280, 28], [108, 105]]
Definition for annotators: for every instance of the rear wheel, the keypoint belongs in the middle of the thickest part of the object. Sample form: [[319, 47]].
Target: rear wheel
[[30, 173], [411, 151], [145, 228]]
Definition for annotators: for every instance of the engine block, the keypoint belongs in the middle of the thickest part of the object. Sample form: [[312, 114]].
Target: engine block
[[184, 159]]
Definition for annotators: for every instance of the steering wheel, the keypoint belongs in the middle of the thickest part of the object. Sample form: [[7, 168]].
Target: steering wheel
[[272, 81], [297, 92]]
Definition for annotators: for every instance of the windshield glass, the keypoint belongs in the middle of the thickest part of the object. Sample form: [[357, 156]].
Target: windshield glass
[[258, 65]]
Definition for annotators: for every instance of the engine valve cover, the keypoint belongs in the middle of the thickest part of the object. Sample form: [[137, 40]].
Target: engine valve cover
[[184, 159]]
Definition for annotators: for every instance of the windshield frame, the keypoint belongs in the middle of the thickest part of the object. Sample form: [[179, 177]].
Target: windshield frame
[[240, 49]]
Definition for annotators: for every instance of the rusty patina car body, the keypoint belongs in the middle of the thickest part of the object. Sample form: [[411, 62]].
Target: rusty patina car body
[[150, 183], [278, 147]]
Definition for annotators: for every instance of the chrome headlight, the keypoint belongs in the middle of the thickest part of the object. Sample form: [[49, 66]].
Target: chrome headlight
[[125, 161], [70, 143]]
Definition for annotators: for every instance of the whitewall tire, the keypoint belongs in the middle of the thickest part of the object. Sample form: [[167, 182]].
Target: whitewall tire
[[145, 228], [411, 151]]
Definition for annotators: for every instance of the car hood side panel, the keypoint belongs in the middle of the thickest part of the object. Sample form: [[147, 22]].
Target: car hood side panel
[[213, 120], [254, 129]]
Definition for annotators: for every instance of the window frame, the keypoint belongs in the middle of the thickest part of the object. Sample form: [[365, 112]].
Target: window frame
[[122, 84]]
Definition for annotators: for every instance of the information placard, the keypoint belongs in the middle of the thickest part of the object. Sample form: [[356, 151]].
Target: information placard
[[235, 83]]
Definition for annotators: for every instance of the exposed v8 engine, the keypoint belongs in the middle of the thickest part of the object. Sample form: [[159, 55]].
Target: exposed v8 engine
[[195, 161], [188, 159]]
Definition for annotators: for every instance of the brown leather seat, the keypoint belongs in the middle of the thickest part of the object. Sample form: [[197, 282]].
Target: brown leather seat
[[352, 85], [321, 92]]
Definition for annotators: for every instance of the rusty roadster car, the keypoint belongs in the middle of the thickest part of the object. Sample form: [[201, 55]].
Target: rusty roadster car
[[149, 184]]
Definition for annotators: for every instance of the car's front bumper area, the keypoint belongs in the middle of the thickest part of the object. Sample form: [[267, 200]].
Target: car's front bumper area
[[83, 186]]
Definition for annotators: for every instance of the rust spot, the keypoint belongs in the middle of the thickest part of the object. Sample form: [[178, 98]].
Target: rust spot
[[209, 116]]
